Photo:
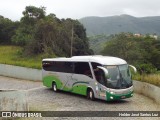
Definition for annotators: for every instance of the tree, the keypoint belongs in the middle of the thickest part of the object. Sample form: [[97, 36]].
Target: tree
[[32, 14], [53, 36], [143, 52], [80, 41], [44, 38], [25, 32], [122, 45], [46, 34], [7, 30]]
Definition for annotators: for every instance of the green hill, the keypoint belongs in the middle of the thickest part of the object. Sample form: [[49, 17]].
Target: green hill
[[122, 23]]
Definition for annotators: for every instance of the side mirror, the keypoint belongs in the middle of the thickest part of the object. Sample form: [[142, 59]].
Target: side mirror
[[134, 68], [104, 70]]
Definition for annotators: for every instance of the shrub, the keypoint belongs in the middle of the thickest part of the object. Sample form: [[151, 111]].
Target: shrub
[[146, 68]]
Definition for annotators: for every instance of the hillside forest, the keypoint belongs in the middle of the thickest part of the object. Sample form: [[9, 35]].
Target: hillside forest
[[142, 52], [39, 33]]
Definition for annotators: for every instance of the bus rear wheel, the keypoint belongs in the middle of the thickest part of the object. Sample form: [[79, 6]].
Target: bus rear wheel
[[90, 94], [54, 87]]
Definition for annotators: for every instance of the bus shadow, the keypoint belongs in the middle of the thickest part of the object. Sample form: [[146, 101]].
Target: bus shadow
[[121, 101]]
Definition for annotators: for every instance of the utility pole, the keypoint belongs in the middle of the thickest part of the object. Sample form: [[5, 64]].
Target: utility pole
[[72, 40]]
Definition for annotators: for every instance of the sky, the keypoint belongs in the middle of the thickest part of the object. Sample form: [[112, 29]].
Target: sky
[[77, 9]]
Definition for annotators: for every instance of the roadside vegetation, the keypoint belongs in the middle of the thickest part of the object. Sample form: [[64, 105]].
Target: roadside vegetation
[[12, 55], [143, 52], [149, 78]]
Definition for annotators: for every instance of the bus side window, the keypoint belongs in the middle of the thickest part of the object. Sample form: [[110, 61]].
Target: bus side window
[[68, 67], [54, 66], [47, 65], [99, 74], [64, 67], [82, 68], [94, 67]]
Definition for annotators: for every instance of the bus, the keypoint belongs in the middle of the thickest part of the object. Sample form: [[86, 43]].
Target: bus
[[102, 77]]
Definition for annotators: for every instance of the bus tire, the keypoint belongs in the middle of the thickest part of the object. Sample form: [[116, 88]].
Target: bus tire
[[54, 87], [90, 94]]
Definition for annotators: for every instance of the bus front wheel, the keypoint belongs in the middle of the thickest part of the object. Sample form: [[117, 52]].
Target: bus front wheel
[[90, 94], [54, 87]]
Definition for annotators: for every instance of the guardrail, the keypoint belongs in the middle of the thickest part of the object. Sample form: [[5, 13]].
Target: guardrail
[[36, 75]]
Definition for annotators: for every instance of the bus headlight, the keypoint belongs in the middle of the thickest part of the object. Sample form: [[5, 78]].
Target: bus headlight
[[111, 97], [112, 92]]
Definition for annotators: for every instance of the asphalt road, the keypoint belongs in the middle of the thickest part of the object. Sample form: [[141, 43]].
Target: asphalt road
[[41, 98]]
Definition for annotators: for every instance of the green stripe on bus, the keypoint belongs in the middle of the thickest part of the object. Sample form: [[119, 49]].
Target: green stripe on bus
[[79, 89], [47, 81]]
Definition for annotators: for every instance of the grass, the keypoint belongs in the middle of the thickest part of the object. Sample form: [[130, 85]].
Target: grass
[[12, 55], [149, 78]]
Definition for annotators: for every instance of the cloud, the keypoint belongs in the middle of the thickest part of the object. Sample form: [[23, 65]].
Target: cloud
[[80, 8]]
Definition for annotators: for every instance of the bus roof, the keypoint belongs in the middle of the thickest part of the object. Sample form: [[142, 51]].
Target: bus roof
[[104, 60]]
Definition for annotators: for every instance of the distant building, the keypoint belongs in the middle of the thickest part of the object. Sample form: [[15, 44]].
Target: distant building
[[154, 36], [150, 35], [138, 35]]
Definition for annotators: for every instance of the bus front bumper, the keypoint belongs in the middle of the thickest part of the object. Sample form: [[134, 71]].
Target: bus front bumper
[[111, 97]]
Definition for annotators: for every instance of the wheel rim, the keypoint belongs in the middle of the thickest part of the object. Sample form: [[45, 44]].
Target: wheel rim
[[54, 87], [90, 94]]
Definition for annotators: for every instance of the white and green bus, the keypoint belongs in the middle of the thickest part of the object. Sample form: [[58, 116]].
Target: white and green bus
[[102, 77]]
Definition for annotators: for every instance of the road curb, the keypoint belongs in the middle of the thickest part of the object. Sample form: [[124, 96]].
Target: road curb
[[148, 90]]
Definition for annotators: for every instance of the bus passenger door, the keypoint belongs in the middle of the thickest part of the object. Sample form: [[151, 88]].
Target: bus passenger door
[[99, 75], [102, 91]]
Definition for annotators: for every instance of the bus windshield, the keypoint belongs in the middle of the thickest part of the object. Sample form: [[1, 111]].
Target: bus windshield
[[119, 77]]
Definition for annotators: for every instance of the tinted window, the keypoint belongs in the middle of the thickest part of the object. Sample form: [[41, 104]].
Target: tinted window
[[66, 67], [82, 68], [99, 74], [94, 65]]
